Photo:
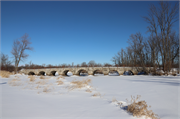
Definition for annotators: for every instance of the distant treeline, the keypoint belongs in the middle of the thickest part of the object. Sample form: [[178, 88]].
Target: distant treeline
[[148, 52], [83, 64]]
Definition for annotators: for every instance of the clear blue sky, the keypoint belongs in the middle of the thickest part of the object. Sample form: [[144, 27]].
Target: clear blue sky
[[66, 31]]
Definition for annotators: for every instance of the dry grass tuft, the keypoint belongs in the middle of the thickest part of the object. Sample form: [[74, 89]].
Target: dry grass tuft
[[50, 75], [88, 90], [96, 94], [60, 82], [47, 77], [14, 82], [114, 100], [46, 89], [42, 77], [79, 83], [42, 82], [5, 74], [140, 108], [60, 77], [32, 78], [37, 87], [17, 77]]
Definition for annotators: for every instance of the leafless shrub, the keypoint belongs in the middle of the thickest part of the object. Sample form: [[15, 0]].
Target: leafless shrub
[[32, 78], [140, 108], [79, 84], [5, 74]]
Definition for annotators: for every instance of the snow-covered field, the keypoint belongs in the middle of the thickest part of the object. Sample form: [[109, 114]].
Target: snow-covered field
[[45, 99]]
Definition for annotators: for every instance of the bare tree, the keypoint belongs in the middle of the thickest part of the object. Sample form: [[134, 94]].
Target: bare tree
[[5, 62], [92, 63], [99, 65], [64, 65], [107, 65], [162, 19], [173, 50], [153, 50], [138, 45], [114, 60], [117, 59], [83, 64], [4, 59], [19, 48]]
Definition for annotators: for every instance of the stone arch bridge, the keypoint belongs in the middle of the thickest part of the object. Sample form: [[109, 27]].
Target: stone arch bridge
[[78, 70]]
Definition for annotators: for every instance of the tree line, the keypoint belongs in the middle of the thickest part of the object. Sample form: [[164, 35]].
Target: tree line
[[91, 63], [161, 48]]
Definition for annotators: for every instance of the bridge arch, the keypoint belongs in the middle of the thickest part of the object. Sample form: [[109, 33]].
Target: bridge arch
[[31, 73], [82, 71], [128, 72], [97, 71], [114, 72], [142, 72], [42, 73], [65, 72], [53, 73]]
